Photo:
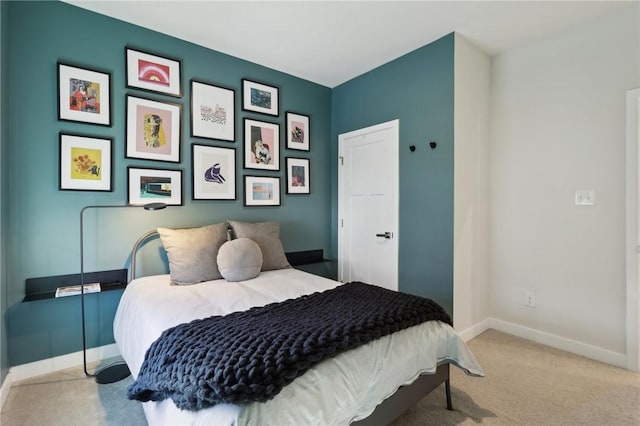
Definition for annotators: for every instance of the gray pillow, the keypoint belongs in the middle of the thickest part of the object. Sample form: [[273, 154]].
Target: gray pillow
[[192, 252], [239, 260], [267, 236]]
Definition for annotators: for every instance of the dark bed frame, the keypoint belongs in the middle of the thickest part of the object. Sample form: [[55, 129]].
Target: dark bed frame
[[391, 408], [408, 396]]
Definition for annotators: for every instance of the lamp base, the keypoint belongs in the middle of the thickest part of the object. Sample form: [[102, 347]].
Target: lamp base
[[112, 373]]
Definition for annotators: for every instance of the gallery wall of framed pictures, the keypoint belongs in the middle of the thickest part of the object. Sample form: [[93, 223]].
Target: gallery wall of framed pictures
[[154, 120], [47, 33]]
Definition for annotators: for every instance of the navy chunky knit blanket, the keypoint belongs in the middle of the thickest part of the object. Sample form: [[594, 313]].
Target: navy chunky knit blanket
[[251, 355]]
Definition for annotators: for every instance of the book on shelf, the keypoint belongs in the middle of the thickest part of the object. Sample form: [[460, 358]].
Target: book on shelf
[[74, 290]]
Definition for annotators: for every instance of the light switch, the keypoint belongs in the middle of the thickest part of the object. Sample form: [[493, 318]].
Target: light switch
[[585, 198]]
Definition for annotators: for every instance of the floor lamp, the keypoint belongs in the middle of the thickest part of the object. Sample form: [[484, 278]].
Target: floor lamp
[[119, 370]]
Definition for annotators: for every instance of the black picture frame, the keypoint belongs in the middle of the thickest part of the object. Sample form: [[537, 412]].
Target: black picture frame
[[84, 95], [260, 191], [213, 174], [298, 175], [150, 185], [85, 163], [152, 72], [153, 129], [261, 145], [298, 131], [212, 111], [260, 97]]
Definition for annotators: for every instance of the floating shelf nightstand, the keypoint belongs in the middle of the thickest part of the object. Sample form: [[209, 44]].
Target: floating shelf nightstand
[[45, 287], [313, 261]]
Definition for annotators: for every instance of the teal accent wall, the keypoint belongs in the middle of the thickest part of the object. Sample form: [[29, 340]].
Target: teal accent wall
[[40, 224], [417, 89], [4, 353], [42, 234]]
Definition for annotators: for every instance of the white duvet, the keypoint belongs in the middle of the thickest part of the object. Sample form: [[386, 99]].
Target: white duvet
[[336, 391]]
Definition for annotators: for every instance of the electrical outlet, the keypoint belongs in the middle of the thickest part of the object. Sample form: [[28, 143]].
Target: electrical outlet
[[585, 198], [530, 299]]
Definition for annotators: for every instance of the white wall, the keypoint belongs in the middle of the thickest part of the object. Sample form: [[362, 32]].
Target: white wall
[[557, 126], [471, 193]]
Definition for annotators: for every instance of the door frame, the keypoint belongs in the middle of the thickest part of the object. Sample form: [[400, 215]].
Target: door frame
[[395, 126], [633, 229]]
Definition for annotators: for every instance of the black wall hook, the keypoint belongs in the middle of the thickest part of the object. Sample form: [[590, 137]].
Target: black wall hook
[[433, 145], [412, 148]]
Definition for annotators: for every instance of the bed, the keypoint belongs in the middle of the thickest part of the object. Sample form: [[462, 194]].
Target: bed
[[339, 390]]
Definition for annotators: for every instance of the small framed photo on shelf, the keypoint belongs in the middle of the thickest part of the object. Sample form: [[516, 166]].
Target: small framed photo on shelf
[[298, 131], [298, 176], [84, 95], [261, 145], [212, 111], [148, 185], [261, 191], [151, 72], [153, 130], [85, 163], [214, 172], [260, 97]]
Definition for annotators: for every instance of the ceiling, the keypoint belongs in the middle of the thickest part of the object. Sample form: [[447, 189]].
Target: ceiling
[[330, 42]]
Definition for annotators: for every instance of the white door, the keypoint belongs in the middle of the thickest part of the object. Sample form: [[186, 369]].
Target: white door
[[368, 205]]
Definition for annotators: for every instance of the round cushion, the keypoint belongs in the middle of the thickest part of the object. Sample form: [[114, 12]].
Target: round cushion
[[239, 259]]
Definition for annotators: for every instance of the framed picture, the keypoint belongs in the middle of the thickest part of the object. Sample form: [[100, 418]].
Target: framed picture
[[261, 191], [153, 130], [84, 95], [154, 185], [261, 145], [151, 72], [259, 97], [298, 131], [85, 163], [298, 176], [214, 172], [212, 111]]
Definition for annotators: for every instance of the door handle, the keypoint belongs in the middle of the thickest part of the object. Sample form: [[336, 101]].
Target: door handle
[[386, 235]]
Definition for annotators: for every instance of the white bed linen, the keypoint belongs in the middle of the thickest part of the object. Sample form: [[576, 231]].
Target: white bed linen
[[337, 391]]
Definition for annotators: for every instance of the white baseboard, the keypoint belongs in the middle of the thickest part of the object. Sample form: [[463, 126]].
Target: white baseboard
[[475, 330], [548, 339], [558, 342], [51, 365]]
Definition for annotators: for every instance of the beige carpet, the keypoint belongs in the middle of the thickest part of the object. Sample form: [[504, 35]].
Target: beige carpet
[[530, 384], [70, 398], [526, 384]]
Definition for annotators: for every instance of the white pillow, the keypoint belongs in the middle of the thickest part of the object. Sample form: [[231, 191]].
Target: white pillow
[[239, 259]]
